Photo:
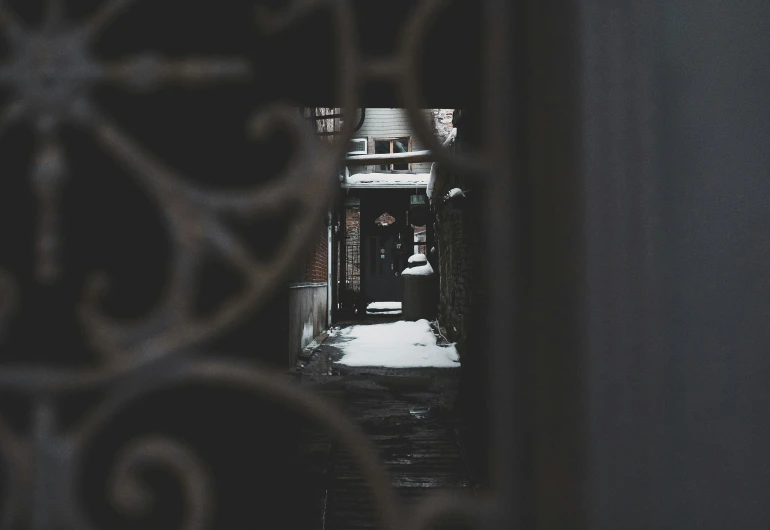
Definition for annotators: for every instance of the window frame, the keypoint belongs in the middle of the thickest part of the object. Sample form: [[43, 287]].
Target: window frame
[[391, 139], [365, 150]]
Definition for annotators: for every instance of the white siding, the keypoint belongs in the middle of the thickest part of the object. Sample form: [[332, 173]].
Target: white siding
[[389, 123]]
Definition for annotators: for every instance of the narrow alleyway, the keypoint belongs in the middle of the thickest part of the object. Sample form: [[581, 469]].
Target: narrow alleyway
[[405, 410]]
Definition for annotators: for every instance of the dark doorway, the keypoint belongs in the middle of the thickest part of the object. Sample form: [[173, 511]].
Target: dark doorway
[[385, 243], [383, 266]]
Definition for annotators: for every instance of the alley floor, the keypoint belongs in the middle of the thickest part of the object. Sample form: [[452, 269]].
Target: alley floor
[[407, 412]]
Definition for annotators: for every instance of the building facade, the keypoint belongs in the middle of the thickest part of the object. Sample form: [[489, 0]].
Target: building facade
[[384, 208]]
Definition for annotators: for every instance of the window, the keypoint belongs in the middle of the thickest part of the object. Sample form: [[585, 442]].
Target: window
[[394, 145], [385, 220], [419, 240], [357, 146]]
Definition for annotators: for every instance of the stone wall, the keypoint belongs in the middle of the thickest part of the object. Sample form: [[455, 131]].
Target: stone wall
[[461, 238], [459, 231], [442, 122]]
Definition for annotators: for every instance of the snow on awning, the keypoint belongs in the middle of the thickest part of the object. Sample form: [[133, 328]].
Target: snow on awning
[[384, 306], [386, 180]]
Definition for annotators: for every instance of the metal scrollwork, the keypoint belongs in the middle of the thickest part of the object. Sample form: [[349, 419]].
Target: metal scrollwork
[[172, 455], [133, 497], [51, 71]]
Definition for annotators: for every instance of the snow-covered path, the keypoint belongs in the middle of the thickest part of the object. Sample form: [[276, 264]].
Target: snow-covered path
[[400, 344], [406, 411]]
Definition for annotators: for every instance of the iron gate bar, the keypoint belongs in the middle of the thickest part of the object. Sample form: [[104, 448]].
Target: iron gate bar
[[501, 213], [153, 353]]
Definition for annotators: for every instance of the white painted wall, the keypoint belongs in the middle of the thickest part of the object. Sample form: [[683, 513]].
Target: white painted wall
[[389, 123]]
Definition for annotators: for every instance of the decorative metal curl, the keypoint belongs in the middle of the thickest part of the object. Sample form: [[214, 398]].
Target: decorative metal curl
[[132, 352], [52, 71], [245, 377], [131, 496], [403, 69], [194, 215]]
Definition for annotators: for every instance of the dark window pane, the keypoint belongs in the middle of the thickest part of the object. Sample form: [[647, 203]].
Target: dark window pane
[[401, 167], [401, 146], [356, 145], [381, 147]]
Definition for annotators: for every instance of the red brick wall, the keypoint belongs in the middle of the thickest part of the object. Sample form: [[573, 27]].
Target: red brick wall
[[316, 264], [353, 239]]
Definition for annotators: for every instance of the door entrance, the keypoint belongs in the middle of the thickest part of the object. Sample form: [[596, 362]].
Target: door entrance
[[383, 267]]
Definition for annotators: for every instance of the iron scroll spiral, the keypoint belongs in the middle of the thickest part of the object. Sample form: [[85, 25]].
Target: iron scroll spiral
[[42, 465]]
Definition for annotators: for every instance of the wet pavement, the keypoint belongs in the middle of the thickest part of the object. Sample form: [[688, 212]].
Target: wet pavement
[[408, 415]]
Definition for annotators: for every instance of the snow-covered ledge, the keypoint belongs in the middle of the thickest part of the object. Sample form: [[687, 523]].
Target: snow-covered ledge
[[386, 180], [410, 157]]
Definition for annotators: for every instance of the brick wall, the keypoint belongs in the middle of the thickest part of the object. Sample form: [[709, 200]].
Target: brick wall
[[353, 239], [317, 262], [315, 267]]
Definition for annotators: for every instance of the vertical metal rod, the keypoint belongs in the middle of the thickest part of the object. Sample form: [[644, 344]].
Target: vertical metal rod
[[44, 488], [503, 335]]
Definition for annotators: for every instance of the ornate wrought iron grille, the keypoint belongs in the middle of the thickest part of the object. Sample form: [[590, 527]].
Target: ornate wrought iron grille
[[52, 71]]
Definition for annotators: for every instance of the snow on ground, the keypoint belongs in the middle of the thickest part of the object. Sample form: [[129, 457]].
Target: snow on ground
[[384, 306], [395, 345]]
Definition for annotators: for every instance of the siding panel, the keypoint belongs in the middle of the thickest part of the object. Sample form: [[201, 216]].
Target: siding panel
[[389, 123]]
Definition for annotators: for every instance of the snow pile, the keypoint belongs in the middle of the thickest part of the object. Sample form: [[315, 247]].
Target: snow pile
[[417, 258], [420, 270], [396, 345]]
